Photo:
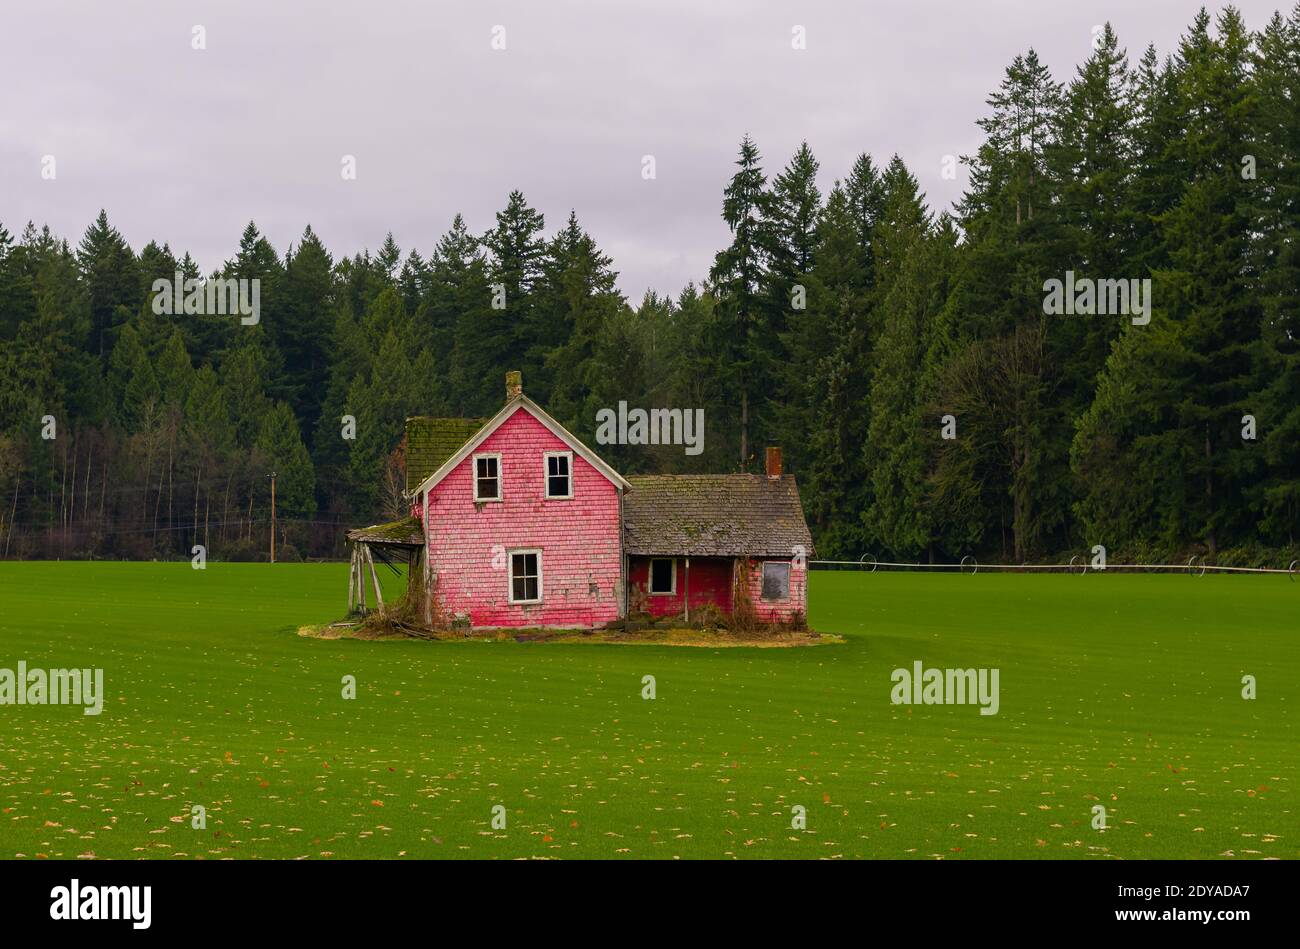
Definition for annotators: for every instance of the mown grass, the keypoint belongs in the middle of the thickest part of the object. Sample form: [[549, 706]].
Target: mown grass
[[1115, 689]]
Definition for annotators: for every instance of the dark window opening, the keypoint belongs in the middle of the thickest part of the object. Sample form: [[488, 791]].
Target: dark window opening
[[776, 581], [661, 576], [557, 476]]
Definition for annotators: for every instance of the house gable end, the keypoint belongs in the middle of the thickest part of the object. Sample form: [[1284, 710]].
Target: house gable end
[[523, 403]]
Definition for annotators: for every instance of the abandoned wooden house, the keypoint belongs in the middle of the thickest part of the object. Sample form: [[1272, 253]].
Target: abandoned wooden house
[[515, 522]]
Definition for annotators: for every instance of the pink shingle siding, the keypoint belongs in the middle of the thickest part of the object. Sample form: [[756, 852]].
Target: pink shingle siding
[[469, 542], [709, 583], [782, 610]]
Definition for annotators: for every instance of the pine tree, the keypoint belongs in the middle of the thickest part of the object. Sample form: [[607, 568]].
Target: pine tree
[[910, 270], [132, 381], [1275, 384], [464, 333], [389, 256], [305, 324], [517, 252], [794, 207], [579, 294], [822, 419], [738, 276], [280, 444], [398, 384], [1182, 428], [257, 260], [1013, 244], [865, 193], [1093, 160], [174, 371], [17, 291], [243, 375], [112, 280]]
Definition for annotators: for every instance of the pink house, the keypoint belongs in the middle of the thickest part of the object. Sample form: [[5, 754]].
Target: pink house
[[516, 523]]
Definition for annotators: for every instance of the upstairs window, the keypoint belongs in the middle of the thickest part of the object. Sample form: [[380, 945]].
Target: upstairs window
[[663, 576], [526, 576], [487, 477], [776, 581], [559, 474]]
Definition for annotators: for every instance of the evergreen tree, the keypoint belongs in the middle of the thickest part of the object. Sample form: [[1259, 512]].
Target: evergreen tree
[[17, 291], [822, 420], [795, 206], [517, 253], [1093, 161], [304, 325], [280, 444], [463, 332], [911, 268], [112, 280], [738, 275], [1194, 359], [579, 290], [1275, 398]]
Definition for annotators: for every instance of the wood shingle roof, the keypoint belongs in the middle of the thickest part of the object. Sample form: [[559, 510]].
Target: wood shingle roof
[[729, 515]]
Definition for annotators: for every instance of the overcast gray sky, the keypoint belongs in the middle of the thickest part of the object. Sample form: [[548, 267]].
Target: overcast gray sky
[[186, 146]]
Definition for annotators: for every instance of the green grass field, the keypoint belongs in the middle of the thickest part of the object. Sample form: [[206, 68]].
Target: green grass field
[[1115, 689]]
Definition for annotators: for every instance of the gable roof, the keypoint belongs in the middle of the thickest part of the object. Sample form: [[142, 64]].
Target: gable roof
[[431, 441], [729, 515], [520, 403]]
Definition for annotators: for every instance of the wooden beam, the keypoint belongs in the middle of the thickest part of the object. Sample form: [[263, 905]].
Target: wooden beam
[[427, 579], [352, 575], [361, 582], [379, 596], [687, 598]]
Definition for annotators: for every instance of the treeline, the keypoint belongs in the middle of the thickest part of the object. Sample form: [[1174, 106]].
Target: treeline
[[929, 405]]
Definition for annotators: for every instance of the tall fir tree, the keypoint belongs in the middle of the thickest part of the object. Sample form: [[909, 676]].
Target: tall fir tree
[[738, 276]]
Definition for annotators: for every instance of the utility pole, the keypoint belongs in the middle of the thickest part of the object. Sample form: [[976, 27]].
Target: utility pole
[[272, 517]]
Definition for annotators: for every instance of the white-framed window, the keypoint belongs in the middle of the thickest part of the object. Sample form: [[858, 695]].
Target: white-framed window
[[487, 477], [776, 580], [559, 474], [525, 576], [663, 576]]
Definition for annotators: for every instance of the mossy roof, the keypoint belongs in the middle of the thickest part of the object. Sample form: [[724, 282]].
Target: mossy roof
[[729, 515], [431, 441], [407, 532]]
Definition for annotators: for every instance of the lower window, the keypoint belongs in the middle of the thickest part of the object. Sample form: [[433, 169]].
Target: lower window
[[776, 581], [526, 576], [663, 575]]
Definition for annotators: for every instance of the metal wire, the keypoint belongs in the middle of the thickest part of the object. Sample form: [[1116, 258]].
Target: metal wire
[[1195, 565]]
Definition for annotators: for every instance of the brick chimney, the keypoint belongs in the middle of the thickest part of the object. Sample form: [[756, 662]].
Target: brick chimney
[[773, 462], [514, 384]]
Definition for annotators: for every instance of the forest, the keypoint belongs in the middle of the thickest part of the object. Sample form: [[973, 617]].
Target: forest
[[928, 402]]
